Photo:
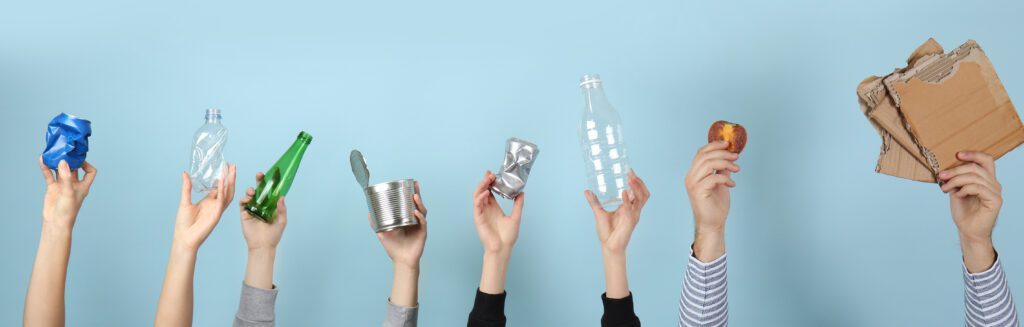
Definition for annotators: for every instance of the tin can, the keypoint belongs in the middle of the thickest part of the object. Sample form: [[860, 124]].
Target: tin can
[[511, 178], [391, 204]]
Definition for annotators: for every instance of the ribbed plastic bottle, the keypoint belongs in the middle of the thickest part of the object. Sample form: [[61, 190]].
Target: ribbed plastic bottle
[[208, 153], [604, 150]]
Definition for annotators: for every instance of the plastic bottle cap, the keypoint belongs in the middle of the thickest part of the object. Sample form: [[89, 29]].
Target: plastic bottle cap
[[590, 79]]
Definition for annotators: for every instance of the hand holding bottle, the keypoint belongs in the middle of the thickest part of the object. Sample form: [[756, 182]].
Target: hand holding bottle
[[707, 184], [262, 239], [196, 221], [260, 236], [498, 233], [614, 229], [975, 197]]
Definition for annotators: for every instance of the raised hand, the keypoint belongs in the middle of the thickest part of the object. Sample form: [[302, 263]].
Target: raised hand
[[44, 302], [707, 184], [195, 222], [405, 245], [975, 197], [615, 228], [65, 193], [262, 239], [498, 233], [260, 235], [192, 226]]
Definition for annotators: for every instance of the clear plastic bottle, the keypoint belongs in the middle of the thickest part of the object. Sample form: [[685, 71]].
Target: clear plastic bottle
[[604, 152], [208, 153]]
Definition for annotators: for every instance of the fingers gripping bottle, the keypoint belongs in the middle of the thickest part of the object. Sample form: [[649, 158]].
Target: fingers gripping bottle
[[604, 152], [277, 180], [208, 153]]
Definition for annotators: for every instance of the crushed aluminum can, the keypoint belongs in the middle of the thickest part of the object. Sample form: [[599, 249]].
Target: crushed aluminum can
[[511, 178]]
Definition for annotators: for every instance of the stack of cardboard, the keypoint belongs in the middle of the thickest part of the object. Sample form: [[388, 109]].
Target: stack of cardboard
[[938, 105]]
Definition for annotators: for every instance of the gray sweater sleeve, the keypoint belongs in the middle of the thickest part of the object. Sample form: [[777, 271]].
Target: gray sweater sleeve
[[256, 307], [400, 316], [987, 298], [705, 297]]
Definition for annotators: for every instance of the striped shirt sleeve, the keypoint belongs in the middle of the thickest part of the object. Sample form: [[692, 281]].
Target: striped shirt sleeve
[[704, 301], [987, 298]]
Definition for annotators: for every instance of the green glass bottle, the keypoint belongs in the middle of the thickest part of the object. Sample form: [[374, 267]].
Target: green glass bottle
[[277, 180]]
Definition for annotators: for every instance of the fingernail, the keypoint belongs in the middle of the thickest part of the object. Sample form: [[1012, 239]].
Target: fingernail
[[943, 175]]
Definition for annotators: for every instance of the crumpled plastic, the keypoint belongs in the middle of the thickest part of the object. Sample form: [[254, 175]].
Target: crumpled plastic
[[67, 138]]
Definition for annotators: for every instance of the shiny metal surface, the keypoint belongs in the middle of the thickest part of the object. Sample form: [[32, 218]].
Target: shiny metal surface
[[391, 204], [511, 178]]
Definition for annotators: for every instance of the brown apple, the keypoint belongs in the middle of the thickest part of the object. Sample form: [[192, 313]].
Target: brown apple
[[733, 133]]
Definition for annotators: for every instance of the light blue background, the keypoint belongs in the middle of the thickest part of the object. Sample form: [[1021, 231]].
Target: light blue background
[[431, 90]]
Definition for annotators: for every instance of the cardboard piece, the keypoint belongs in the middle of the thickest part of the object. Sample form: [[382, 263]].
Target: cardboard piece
[[938, 105]]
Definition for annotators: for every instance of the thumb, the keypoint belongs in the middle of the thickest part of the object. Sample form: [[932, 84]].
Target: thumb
[[517, 206], [595, 205]]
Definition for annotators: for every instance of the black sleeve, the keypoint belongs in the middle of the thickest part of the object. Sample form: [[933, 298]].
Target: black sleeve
[[488, 310], [619, 312]]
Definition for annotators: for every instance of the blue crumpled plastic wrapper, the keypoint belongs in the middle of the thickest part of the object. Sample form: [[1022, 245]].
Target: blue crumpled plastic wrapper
[[67, 138]]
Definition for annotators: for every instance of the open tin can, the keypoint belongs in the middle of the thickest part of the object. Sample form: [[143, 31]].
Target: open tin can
[[390, 203]]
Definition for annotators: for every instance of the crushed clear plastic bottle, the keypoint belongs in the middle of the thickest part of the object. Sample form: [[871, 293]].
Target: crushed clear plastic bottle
[[604, 151], [208, 153]]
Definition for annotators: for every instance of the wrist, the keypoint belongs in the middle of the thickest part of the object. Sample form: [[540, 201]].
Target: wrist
[[614, 254], [709, 245], [502, 255], [616, 282], [184, 251], [406, 271], [492, 275], [263, 252], [975, 240], [55, 231], [259, 268]]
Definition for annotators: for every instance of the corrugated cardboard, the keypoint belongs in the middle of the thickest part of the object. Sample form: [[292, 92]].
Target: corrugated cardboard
[[938, 105]]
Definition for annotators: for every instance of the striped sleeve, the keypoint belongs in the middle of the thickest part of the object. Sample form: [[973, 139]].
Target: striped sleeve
[[987, 298], [704, 301]]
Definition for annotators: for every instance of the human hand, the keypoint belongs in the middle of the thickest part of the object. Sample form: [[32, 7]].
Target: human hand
[[498, 232], [260, 235], [975, 197], [405, 245], [64, 193], [615, 228], [195, 222], [707, 184]]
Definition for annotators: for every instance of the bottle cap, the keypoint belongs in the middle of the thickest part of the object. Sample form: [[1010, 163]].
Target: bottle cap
[[590, 81]]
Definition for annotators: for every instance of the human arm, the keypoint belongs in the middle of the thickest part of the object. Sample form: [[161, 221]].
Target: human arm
[[405, 248], [256, 304], [975, 197], [44, 301], [193, 224], [498, 233], [704, 300], [614, 230]]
